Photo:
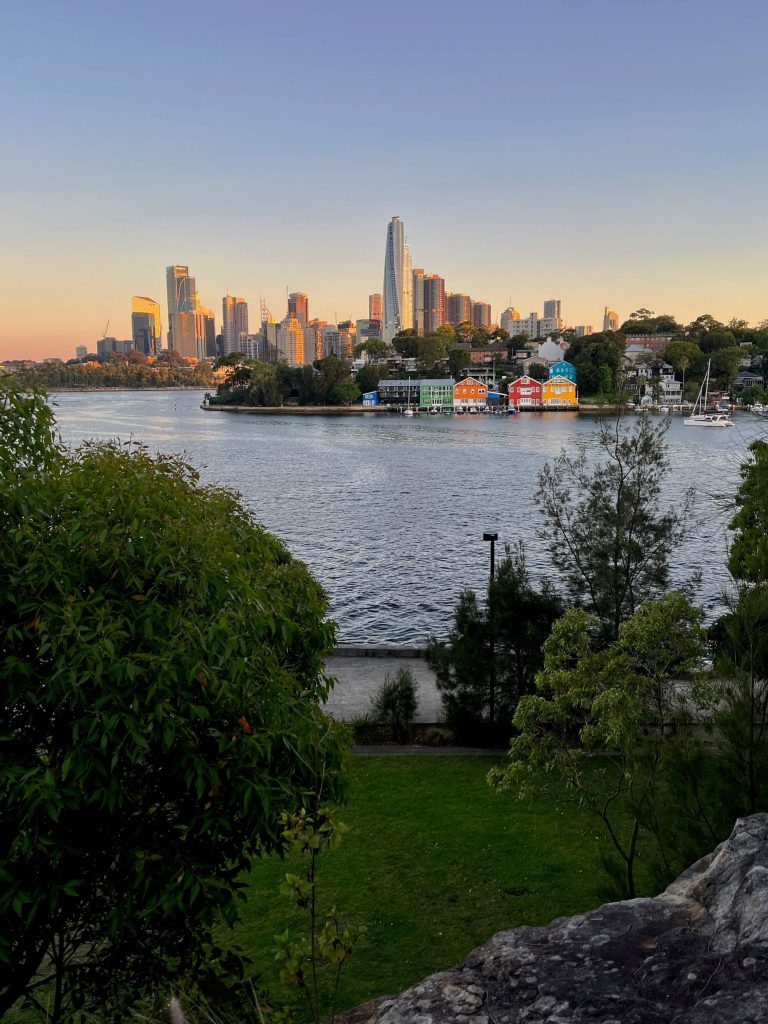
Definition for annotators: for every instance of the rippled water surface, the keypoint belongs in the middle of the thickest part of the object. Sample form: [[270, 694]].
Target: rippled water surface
[[389, 512]]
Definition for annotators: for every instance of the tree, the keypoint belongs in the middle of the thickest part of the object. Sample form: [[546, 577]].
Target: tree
[[376, 349], [514, 624], [681, 354], [538, 371], [395, 704], [162, 672], [343, 394], [748, 557], [458, 361], [406, 343], [367, 378], [608, 521], [619, 701], [590, 353]]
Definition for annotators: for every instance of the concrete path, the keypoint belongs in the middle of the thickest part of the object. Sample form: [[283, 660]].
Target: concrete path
[[360, 671]]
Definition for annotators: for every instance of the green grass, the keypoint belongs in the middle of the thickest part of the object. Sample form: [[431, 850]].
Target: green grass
[[434, 863]]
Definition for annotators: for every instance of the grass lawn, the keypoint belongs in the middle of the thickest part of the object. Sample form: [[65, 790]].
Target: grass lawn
[[434, 863]]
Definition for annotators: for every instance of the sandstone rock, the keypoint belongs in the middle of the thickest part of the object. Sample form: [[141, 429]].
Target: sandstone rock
[[696, 954]]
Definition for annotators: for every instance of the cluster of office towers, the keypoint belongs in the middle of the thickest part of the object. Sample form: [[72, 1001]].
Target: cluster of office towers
[[418, 301], [411, 300]]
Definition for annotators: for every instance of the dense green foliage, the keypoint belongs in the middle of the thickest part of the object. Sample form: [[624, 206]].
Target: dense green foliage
[[161, 664], [590, 355], [272, 384], [621, 701], [119, 372], [395, 704], [748, 559], [492, 653], [608, 520]]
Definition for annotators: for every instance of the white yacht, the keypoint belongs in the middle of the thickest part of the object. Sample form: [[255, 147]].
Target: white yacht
[[700, 417]]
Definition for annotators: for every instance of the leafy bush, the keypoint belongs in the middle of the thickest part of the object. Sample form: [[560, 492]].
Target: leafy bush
[[394, 706], [366, 729], [161, 664]]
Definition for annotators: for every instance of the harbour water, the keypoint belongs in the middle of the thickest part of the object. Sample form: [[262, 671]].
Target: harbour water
[[389, 512]]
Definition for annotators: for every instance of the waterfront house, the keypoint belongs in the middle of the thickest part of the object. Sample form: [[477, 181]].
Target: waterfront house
[[525, 393], [559, 393], [470, 393], [748, 380], [370, 398], [437, 393], [399, 392], [563, 369]]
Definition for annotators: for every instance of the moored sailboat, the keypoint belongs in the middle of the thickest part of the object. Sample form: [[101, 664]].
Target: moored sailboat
[[700, 417]]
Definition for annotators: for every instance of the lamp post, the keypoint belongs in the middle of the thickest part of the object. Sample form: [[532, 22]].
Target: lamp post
[[492, 538]]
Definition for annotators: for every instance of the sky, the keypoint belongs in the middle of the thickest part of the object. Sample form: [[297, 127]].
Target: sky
[[604, 152]]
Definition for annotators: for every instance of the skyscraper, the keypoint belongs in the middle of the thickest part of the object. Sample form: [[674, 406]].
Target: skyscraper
[[610, 319], [374, 306], [234, 326], [458, 308], [418, 300], [298, 307], [552, 309], [290, 342], [508, 317], [481, 314], [434, 302], [209, 331], [182, 296], [145, 325], [398, 300]]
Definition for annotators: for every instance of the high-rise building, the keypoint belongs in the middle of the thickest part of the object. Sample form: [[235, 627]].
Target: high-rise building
[[145, 325], [81, 352], [209, 332], [552, 309], [434, 302], [610, 319], [367, 330], [481, 314], [398, 293], [347, 338], [182, 296], [509, 316], [582, 330], [417, 277], [374, 306], [189, 333], [298, 307], [290, 342], [234, 326], [458, 308]]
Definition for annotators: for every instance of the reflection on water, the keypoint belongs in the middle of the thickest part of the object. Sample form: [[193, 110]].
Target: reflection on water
[[389, 512]]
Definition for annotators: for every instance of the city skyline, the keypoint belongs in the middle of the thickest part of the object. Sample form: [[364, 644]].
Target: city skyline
[[617, 158]]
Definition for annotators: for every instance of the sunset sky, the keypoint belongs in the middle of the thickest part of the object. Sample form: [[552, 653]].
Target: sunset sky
[[598, 151]]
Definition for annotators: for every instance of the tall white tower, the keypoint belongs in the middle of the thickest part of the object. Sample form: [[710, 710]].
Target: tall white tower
[[398, 285]]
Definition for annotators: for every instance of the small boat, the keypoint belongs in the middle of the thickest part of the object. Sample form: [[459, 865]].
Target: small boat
[[434, 411], [473, 411], [408, 411], [459, 410], [700, 417]]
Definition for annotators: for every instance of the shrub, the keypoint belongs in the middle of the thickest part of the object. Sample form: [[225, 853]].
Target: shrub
[[161, 664], [394, 706]]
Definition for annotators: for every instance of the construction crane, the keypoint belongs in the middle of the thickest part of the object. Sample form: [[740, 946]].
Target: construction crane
[[104, 332]]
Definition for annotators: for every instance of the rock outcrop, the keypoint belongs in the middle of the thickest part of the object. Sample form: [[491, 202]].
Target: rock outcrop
[[696, 954]]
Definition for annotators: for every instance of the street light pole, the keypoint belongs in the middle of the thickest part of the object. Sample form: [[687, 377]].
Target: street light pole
[[492, 537]]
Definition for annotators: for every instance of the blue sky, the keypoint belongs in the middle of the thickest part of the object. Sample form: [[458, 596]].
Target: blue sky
[[599, 152]]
